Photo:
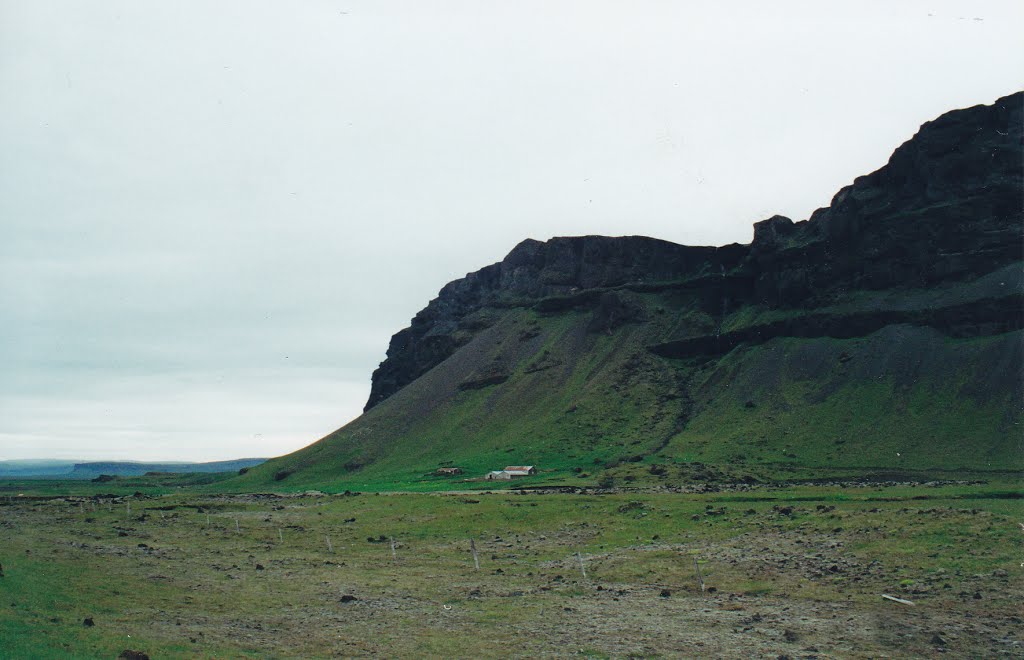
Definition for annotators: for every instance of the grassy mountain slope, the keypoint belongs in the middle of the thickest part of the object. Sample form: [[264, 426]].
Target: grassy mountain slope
[[585, 406], [882, 336]]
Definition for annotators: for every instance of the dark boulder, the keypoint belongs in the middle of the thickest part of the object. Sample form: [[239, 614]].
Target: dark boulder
[[128, 654]]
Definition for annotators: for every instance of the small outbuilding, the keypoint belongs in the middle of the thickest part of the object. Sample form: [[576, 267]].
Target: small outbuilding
[[511, 472], [448, 471], [520, 470]]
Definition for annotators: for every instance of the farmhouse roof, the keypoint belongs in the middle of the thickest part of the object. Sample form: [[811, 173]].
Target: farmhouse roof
[[518, 468]]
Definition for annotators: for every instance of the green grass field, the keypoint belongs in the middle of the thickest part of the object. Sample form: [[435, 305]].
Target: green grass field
[[785, 570]]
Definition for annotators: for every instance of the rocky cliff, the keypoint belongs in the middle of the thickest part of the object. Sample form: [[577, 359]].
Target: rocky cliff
[[947, 207]]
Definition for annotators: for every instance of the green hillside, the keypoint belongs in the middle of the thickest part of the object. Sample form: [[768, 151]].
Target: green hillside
[[879, 338], [586, 406]]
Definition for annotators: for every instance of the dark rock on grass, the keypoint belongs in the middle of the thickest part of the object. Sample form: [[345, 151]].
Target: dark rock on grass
[[937, 640], [88, 622], [665, 593], [128, 654], [486, 380], [348, 598], [790, 636], [259, 567]]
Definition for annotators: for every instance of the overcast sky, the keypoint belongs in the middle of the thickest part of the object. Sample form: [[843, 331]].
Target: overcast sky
[[213, 215]]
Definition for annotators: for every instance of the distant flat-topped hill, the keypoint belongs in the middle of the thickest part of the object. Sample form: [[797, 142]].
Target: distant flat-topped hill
[[881, 336], [56, 469]]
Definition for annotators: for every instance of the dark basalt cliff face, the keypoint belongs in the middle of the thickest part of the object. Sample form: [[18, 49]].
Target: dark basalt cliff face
[[534, 272], [946, 208]]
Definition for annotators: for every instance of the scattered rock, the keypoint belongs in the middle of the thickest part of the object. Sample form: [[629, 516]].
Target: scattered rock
[[348, 598], [665, 593], [128, 654], [88, 622]]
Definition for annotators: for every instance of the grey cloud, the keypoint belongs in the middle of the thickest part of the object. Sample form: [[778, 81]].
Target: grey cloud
[[213, 215]]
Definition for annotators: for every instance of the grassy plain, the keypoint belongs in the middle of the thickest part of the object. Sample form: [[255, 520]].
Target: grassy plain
[[796, 571]]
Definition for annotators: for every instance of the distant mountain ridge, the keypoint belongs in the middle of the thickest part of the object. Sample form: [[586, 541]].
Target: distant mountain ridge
[[57, 469], [882, 335]]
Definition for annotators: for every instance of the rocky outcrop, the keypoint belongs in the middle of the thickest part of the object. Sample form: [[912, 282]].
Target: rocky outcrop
[[562, 268], [989, 316], [947, 207]]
